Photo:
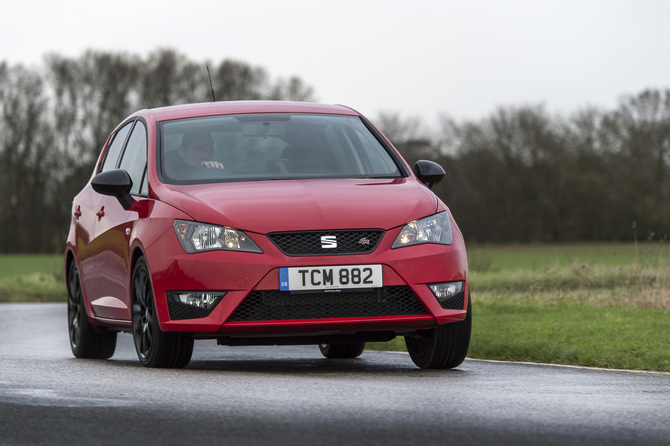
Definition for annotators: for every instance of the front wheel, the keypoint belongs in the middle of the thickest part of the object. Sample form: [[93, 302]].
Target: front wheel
[[154, 347], [444, 347], [86, 340], [341, 350]]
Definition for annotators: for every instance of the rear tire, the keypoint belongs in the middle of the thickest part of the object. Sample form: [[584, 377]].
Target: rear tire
[[86, 340], [444, 347], [154, 347], [341, 350]]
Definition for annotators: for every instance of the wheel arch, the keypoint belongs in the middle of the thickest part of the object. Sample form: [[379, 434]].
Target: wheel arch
[[69, 258], [137, 254], [134, 257]]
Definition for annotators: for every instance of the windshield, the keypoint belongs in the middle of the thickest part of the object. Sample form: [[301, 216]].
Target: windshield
[[271, 146]]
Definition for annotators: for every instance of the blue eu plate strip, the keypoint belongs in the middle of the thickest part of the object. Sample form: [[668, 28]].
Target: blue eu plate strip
[[283, 279]]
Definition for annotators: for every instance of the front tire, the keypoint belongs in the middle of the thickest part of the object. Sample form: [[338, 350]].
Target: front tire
[[86, 340], [341, 350], [154, 347], [444, 347]]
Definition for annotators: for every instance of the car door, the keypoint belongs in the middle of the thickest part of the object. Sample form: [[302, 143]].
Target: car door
[[87, 210], [113, 232]]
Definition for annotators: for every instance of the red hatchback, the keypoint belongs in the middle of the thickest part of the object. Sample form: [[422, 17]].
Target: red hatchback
[[263, 223]]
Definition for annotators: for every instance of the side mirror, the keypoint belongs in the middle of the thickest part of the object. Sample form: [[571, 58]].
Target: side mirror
[[428, 172], [116, 183]]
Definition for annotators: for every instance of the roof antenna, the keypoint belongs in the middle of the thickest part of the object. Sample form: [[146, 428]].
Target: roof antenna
[[210, 84]]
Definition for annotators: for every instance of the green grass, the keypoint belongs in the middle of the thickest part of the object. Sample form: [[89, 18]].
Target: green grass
[[14, 265], [533, 257], [576, 276], [32, 278], [600, 305], [566, 333], [571, 333]]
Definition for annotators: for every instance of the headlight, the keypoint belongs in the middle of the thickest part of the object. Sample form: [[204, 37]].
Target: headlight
[[199, 237], [433, 229]]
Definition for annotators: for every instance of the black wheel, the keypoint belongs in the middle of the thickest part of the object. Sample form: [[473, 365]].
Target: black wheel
[[86, 340], [444, 347], [154, 347], [342, 349]]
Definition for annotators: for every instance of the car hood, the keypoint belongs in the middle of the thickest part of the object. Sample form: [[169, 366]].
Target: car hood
[[295, 205]]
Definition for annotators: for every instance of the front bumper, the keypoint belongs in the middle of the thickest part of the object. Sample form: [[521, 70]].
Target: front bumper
[[251, 281]]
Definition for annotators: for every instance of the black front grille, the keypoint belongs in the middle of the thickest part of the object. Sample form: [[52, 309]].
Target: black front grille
[[276, 305], [455, 302], [309, 243]]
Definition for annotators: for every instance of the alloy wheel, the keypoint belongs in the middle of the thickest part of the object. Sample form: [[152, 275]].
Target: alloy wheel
[[143, 312], [74, 304]]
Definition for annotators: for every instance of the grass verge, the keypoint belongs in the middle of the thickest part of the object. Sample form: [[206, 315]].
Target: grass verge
[[568, 329], [525, 328], [591, 305], [32, 278]]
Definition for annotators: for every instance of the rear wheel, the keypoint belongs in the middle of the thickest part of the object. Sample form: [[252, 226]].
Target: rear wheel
[[342, 349], [86, 340], [444, 347], [154, 347]]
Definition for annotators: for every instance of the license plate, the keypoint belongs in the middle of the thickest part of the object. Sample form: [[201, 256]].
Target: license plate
[[330, 277]]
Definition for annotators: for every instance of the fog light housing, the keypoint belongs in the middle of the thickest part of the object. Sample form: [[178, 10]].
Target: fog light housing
[[192, 304], [204, 300], [444, 293]]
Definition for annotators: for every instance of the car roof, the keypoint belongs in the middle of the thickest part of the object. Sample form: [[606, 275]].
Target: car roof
[[241, 107]]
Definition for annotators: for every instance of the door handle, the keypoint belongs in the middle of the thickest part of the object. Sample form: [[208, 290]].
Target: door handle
[[100, 213]]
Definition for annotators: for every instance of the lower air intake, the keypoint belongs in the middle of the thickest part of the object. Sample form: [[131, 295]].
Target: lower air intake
[[455, 302], [276, 305]]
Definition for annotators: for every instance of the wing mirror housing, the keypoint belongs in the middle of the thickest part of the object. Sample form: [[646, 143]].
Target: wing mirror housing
[[116, 183], [428, 172]]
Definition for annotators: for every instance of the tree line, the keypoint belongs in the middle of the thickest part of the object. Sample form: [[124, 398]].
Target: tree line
[[54, 120], [517, 175], [523, 175]]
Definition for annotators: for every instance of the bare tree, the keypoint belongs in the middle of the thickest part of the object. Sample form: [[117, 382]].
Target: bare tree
[[409, 136], [169, 78], [293, 89], [26, 160]]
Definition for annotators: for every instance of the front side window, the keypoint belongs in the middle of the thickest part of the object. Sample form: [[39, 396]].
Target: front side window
[[134, 159], [114, 150], [271, 146]]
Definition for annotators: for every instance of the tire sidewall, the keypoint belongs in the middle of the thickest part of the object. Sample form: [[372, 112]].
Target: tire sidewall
[[444, 346], [148, 358]]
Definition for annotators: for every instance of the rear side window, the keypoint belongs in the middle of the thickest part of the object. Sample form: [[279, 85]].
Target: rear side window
[[115, 148], [134, 159]]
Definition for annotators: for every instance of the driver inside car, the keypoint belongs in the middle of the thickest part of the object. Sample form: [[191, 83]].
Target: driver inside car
[[197, 148]]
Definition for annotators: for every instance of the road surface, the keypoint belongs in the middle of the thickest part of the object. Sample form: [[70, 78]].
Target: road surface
[[292, 395]]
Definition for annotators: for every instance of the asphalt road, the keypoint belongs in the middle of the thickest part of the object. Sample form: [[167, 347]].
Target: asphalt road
[[292, 395]]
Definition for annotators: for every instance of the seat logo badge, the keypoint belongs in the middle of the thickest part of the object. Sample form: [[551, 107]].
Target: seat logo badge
[[328, 241], [364, 241]]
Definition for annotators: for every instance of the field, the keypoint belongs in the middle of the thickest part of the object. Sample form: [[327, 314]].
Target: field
[[32, 278], [603, 305]]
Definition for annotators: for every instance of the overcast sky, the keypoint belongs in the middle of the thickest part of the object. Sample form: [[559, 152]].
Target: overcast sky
[[423, 57]]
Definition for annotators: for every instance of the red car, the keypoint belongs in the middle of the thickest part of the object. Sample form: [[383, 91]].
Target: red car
[[263, 223]]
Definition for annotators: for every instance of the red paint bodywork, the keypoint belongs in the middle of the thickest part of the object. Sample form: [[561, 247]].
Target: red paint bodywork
[[105, 247]]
